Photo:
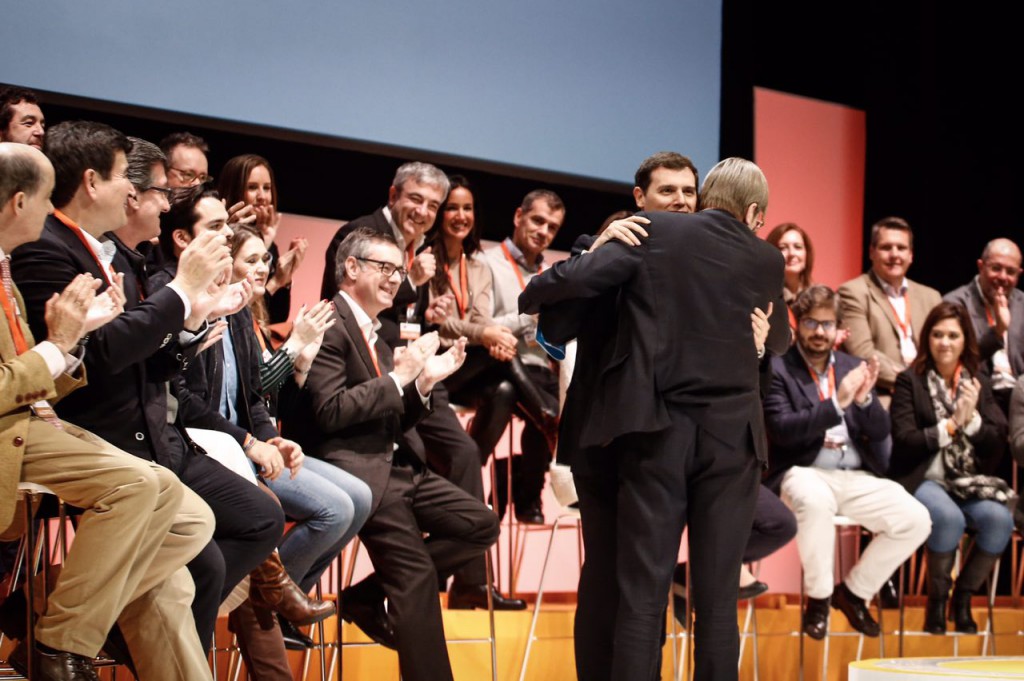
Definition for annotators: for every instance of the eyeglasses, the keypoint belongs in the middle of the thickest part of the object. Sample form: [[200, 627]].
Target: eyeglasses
[[813, 324], [387, 268], [189, 176], [166, 191]]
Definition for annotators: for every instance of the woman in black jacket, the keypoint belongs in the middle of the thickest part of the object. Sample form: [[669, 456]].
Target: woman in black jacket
[[948, 437]]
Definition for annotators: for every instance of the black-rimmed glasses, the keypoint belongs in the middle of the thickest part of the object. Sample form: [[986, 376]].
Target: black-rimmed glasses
[[387, 268]]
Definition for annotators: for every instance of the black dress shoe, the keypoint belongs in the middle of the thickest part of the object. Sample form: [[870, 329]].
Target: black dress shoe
[[855, 609], [371, 618], [888, 596], [816, 618], [52, 666], [469, 597], [293, 637], [752, 590], [530, 514]]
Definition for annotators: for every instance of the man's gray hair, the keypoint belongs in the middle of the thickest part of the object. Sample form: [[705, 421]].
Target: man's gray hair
[[424, 173], [732, 185], [356, 245], [140, 163]]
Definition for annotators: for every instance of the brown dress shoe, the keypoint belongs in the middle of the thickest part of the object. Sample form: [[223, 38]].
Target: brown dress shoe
[[270, 588], [52, 666]]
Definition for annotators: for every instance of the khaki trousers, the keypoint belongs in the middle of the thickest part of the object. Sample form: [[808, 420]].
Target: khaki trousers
[[139, 528]]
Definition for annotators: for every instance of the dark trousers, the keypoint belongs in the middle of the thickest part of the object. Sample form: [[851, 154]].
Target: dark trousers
[[459, 527], [774, 526], [453, 455], [249, 526], [636, 497]]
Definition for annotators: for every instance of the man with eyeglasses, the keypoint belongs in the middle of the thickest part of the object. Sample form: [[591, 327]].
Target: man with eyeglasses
[[187, 165], [362, 397], [417, 191], [830, 443], [996, 307]]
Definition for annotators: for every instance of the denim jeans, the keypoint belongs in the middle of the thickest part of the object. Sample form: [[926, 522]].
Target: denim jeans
[[328, 506], [992, 521]]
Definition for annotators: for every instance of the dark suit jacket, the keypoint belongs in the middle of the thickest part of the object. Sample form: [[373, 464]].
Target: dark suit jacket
[[200, 387], [970, 297], [406, 294], [683, 335], [797, 419], [915, 436], [352, 417], [127, 359]]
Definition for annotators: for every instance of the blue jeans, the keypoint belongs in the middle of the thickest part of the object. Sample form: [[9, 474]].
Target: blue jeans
[[329, 506], [992, 521]]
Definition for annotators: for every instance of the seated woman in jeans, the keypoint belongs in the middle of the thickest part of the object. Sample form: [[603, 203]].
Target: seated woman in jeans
[[948, 436]]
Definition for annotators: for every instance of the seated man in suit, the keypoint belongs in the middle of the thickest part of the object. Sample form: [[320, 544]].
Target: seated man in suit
[[131, 359], [881, 306], [361, 399], [996, 307], [140, 526], [830, 448]]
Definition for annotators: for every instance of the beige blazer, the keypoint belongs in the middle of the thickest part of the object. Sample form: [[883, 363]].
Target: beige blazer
[[24, 379], [874, 328], [479, 307]]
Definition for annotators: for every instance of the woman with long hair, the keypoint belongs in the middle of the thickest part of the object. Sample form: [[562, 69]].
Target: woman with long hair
[[948, 438], [249, 179]]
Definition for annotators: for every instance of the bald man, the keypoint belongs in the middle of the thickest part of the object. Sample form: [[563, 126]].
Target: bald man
[[996, 307]]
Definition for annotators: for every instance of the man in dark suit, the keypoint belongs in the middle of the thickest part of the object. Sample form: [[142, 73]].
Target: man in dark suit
[[140, 525], [361, 400], [675, 432], [996, 307], [416, 193], [830, 447], [131, 359]]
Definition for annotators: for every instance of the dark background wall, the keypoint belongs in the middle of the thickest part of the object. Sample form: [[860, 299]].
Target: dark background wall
[[938, 85]]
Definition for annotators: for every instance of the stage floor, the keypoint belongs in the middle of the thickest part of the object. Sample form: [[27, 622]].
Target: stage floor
[[940, 668]]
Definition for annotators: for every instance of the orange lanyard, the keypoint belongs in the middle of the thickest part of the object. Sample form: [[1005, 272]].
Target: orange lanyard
[[410, 255], [792, 318], [831, 381], [259, 336], [515, 265], [70, 224], [12, 314], [904, 326], [373, 354], [460, 300]]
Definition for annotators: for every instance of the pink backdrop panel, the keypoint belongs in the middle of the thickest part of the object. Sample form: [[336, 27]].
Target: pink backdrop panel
[[813, 155]]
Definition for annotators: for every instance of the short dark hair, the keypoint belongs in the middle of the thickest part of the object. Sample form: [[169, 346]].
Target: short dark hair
[[662, 159], [141, 159], [357, 244], [891, 222], [235, 175], [182, 214], [814, 297], [11, 95], [552, 199], [76, 146], [970, 358], [185, 139], [19, 172]]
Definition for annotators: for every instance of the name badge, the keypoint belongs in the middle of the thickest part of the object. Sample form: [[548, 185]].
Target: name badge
[[409, 331], [908, 349], [43, 410]]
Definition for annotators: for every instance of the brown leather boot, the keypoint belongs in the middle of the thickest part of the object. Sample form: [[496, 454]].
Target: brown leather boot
[[271, 588]]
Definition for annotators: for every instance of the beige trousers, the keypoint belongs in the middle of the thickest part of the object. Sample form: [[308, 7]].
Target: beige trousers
[[139, 528]]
